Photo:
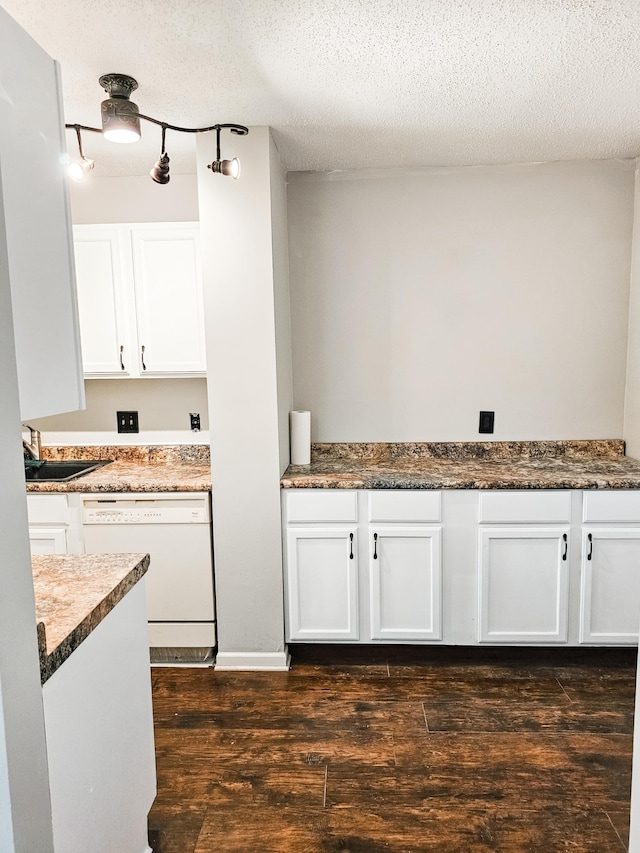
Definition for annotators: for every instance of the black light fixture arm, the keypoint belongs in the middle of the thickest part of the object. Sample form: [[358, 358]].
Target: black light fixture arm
[[238, 129]]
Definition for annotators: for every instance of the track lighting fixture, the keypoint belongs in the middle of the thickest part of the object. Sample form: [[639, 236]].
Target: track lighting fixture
[[121, 123], [230, 168], [160, 172], [77, 170]]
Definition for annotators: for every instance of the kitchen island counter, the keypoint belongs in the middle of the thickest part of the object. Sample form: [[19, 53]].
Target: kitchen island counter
[[461, 465], [73, 594]]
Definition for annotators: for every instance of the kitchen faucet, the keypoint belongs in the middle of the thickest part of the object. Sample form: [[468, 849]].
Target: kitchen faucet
[[33, 447]]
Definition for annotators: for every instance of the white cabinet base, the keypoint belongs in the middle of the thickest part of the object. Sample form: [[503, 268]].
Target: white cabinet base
[[193, 635], [99, 725], [463, 567]]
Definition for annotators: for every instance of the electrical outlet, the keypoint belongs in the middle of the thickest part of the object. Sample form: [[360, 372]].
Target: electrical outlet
[[127, 421], [486, 421], [195, 421]]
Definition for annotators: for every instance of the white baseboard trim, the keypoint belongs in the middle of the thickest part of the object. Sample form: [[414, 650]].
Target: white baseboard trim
[[253, 661]]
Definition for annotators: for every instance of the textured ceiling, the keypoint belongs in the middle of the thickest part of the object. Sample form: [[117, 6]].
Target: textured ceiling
[[357, 83]]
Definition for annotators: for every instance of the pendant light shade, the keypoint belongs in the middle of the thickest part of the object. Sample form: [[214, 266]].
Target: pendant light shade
[[120, 116]]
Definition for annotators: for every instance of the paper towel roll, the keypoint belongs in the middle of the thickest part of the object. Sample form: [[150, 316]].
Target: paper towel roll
[[300, 435]]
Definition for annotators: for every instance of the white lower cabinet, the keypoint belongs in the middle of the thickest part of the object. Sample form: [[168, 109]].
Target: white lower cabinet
[[610, 586], [54, 524], [523, 585], [405, 577], [536, 567], [610, 568], [353, 573], [48, 540], [322, 582]]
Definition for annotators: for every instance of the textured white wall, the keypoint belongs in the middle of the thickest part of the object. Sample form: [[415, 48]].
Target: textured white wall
[[420, 297], [632, 395]]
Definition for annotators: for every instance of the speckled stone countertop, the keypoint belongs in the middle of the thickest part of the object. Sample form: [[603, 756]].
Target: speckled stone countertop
[[74, 593], [180, 468], [467, 465]]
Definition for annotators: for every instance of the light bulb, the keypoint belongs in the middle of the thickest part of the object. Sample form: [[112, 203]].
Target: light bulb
[[230, 168], [121, 134], [78, 170]]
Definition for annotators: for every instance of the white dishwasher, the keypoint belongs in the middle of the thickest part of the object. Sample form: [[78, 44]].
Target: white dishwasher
[[175, 529]]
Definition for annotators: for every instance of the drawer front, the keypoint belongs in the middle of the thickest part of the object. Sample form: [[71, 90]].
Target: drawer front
[[419, 506], [533, 506], [622, 506], [48, 509], [321, 505]]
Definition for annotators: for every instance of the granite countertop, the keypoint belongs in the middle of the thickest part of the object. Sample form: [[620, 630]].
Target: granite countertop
[[74, 593], [467, 465], [180, 468]]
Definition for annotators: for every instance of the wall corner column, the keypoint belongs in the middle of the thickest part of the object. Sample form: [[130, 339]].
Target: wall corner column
[[243, 337]]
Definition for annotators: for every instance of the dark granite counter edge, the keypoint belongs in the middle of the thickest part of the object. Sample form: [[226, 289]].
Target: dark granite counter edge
[[50, 662], [587, 484], [122, 486]]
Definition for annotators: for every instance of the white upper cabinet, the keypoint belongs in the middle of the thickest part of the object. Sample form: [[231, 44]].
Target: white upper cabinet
[[140, 298], [104, 284], [169, 301]]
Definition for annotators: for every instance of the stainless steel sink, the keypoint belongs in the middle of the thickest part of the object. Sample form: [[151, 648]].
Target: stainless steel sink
[[60, 472]]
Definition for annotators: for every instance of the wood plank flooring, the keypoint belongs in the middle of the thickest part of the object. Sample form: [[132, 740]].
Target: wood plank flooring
[[397, 750]]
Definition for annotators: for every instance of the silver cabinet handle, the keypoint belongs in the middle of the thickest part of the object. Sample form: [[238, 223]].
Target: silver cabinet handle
[[144, 366], [121, 361]]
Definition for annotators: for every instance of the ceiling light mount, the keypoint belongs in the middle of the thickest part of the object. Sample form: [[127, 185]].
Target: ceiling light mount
[[118, 85], [121, 123]]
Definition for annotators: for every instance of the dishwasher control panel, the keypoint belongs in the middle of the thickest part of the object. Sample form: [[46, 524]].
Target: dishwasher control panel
[[174, 510]]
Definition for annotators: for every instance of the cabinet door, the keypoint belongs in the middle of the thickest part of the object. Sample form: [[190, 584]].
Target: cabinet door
[[107, 325], [406, 580], [523, 585], [48, 540], [610, 586], [322, 584], [169, 300], [36, 255]]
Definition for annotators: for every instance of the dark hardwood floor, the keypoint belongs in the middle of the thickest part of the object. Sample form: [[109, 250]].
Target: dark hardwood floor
[[365, 750]]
